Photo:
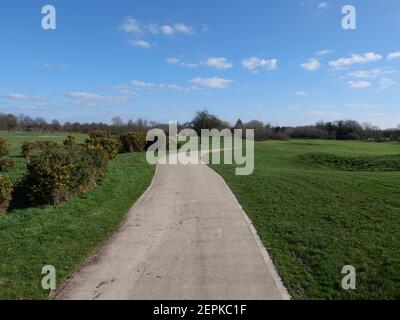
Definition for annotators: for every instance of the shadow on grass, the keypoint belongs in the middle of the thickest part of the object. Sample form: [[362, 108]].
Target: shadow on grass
[[20, 198]]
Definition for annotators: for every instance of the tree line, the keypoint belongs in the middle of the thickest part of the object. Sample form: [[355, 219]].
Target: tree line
[[336, 130]]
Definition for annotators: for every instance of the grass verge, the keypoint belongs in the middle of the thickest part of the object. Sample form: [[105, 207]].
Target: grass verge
[[65, 235], [314, 221]]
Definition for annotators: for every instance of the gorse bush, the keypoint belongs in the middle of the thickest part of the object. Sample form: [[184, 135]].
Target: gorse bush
[[71, 140], [363, 163], [6, 189], [133, 142], [3, 148], [100, 134], [29, 149], [109, 146], [6, 164], [61, 173]]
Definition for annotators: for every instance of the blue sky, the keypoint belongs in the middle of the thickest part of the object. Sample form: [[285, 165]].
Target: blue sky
[[287, 62]]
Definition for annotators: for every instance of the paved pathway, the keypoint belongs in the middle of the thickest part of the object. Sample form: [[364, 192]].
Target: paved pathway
[[186, 238]]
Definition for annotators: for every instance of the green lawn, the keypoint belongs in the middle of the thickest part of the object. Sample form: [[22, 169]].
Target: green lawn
[[63, 236], [314, 221]]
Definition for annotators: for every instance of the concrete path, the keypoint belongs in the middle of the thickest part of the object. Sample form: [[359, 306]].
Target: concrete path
[[186, 238]]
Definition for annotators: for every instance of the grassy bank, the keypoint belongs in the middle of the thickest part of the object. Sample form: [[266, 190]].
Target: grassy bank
[[63, 236], [316, 220]]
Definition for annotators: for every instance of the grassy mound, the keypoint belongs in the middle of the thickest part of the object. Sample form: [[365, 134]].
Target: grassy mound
[[361, 163]]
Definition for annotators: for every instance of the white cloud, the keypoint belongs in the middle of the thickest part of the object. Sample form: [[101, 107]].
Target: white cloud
[[139, 43], [311, 65], [23, 97], [218, 63], [359, 84], [151, 85], [254, 64], [214, 82], [47, 65], [183, 28], [355, 59], [130, 25], [95, 97], [324, 52], [301, 93], [133, 26], [393, 55], [188, 65], [153, 29], [173, 60], [360, 106], [369, 74], [167, 30], [323, 5], [385, 83]]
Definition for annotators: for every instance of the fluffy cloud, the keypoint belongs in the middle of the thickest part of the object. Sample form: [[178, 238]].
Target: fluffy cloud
[[323, 5], [355, 59], [218, 63], [311, 65], [254, 64], [167, 29], [151, 85], [301, 93], [95, 97], [47, 65], [214, 82], [133, 26], [130, 25], [360, 106], [369, 74], [173, 60], [385, 83], [177, 61], [183, 28], [324, 52], [139, 43], [393, 55], [359, 84], [23, 97]]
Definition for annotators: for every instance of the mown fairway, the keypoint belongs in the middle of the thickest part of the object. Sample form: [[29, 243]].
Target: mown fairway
[[316, 220], [63, 236]]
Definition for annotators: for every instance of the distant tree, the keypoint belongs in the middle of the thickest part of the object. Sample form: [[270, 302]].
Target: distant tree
[[205, 120], [260, 130], [239, 124], [117, 122], [55, 125]]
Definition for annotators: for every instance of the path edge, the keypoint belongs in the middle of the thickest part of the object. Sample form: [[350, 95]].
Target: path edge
[[54, 294], [264, 252]]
